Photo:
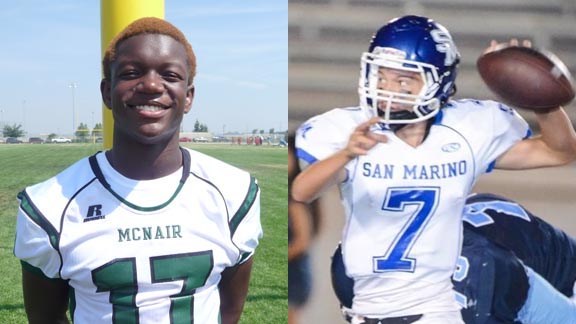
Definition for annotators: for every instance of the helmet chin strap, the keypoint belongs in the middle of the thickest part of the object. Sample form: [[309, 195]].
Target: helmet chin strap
[[404, 114]]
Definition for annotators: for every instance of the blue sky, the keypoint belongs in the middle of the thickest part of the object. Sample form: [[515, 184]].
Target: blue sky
[[241, 48]]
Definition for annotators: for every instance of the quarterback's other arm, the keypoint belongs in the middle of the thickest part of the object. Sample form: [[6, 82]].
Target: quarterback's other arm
[[45, 300], [233, 289], [556, 145], [320, 176]]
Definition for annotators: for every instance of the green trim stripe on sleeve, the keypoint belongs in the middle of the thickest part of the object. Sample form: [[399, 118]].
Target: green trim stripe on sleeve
[[32, 269], [37, 271], [72, 302], [39, 219], [244, 257], [245, 207]]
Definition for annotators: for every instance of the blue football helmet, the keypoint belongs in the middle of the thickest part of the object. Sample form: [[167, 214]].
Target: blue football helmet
[[417, 45]]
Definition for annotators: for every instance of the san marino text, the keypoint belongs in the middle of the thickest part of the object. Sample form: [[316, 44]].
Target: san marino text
[[414, 171]]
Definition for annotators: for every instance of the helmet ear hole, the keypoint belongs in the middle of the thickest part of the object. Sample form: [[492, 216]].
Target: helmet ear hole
[[413, 44]]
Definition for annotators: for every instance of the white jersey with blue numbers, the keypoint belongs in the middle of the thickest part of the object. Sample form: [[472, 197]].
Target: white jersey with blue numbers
[[404, 204], [140, 251]]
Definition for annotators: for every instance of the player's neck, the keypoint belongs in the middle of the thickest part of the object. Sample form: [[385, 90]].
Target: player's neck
[[412, 134], [145, 163]]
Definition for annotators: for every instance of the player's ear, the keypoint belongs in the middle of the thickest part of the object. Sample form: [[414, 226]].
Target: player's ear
[[105, 91], [189, 97]]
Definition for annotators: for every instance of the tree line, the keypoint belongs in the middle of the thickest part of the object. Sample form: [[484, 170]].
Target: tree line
[[83, 132]]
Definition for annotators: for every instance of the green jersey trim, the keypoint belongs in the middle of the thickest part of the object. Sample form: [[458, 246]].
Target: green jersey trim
[[36, 271], [72, 302], [245, 256], [37, 217], [245, 207], [185, 172]]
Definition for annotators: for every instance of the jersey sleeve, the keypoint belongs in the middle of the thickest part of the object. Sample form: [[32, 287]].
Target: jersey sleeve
[[245, 227], [504, 128], [37, 239], [320, 137], [509, 128]]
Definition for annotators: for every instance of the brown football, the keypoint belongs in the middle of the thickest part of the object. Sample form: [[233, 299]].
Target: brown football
[[526, 78]]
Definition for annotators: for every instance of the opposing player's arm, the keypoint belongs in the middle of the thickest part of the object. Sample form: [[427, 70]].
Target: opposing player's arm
[[556, 144], [320, 176], [233, 289], [45, 300]]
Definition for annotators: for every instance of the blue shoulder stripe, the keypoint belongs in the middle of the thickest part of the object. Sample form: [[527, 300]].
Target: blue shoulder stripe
[[493, 163], [528, 133], [303, 155], [491, 166]]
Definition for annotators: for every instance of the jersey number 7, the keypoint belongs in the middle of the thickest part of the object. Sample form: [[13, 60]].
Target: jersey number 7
[[397, 200]]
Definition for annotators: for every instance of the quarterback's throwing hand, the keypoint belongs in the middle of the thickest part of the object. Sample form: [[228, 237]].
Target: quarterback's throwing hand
[[362, 139]]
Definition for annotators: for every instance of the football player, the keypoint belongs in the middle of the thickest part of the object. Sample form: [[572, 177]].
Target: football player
[[514, 267], [405, 159], [148, 231]]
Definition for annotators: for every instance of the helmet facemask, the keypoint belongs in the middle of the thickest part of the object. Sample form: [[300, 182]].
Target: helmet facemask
[[417, 107]]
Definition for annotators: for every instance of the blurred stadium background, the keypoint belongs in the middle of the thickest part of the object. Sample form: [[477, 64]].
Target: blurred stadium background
[[326, 38]]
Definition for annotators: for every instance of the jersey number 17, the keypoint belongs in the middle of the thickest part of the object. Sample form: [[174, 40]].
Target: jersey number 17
[[119, 277]]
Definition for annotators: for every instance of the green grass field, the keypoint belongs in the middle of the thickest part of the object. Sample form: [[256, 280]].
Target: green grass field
[[23, 165]]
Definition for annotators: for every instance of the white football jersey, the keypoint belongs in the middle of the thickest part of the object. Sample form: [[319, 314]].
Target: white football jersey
[[404, 204], [140, 251]]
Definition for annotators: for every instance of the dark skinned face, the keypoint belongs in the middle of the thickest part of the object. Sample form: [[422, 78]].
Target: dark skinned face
[[149, 92]]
